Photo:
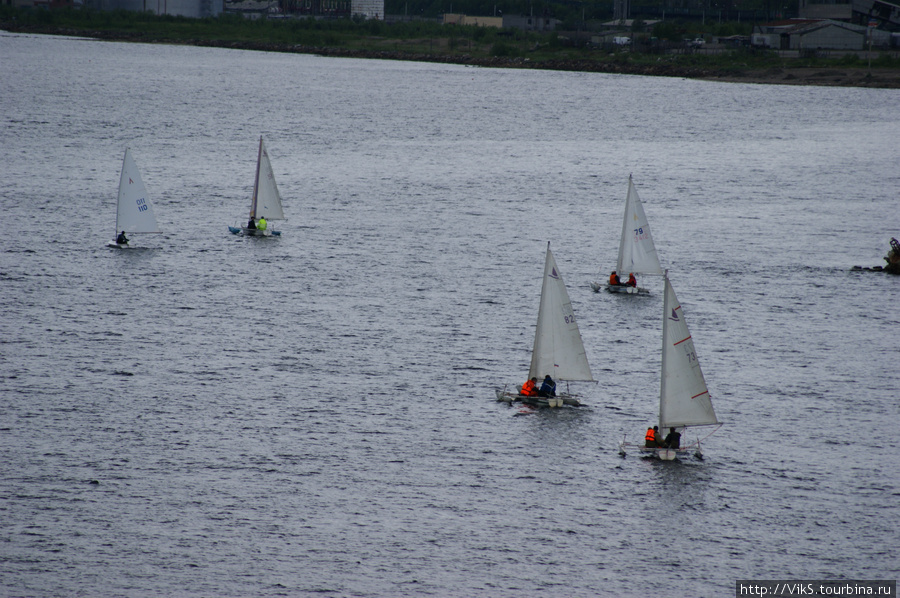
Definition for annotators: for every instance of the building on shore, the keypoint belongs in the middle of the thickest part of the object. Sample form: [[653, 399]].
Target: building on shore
[[812, 34], [521, 22], [286, 9], [180, 8], [368, 9]]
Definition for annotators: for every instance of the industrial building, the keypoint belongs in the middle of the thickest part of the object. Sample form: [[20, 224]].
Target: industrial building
[[805, 34], [182, 8]]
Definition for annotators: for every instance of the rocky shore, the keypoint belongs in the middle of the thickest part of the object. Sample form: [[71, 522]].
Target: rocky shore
[[851, 76]]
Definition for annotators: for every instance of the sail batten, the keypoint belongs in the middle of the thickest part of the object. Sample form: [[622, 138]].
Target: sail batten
[[134, 210], [558, 348], [684, 399], [637, 253]]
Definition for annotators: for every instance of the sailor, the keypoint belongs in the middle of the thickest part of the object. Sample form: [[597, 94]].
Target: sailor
[[262, 224], [632, 281], [651, 438], [122, 239], [673, 440], [548, 387], [529, 389], [251, 225], [614, 279]]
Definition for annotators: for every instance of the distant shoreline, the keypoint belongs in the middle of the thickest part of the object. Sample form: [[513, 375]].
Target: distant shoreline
[[849, 76]]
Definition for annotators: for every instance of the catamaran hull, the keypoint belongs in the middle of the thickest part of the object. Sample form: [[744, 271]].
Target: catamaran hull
[[253, 232], [551, 402], [621, 288], [663, 454]]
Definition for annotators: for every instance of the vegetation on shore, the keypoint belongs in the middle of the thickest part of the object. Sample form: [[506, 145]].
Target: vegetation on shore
[[424, 40]]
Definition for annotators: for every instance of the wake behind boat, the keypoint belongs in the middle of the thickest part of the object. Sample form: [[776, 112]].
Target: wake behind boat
[[558, 350], [265, 204], [684, 399], [134, 210], [637, 253]]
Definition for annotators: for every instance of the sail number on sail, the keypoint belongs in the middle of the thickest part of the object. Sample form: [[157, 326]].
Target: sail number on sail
[[141, 204], [688, 350], [640, 235]]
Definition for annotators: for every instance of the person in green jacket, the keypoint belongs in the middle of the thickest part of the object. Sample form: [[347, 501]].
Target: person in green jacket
[[262, 224]]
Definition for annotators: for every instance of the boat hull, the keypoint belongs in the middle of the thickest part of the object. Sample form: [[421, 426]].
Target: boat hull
[[253, 232], [115, 245], [627, 290], [550, 402], [662, 454]]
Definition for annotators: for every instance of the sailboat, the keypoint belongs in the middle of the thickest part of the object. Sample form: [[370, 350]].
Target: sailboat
[[266, 201], [558, 349], [684, 399], [637, 253], [134, 211]]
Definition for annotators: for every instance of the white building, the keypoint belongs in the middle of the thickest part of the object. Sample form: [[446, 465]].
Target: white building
[[180, 8], [369, 9]]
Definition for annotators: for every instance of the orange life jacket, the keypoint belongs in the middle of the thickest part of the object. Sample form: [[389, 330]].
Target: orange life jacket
[[650, 436], [528, 389], [613, 278]]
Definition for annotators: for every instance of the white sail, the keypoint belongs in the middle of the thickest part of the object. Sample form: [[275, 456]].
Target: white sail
[[558, 348], [266, 199], [637, 253], [134, 211], [683, 397]]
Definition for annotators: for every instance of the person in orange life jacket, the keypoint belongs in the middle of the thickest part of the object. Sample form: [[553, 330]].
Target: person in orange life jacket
[[529, 389], [614, 278], [651, 438], [673, 440], [548, 387], [632, 281]]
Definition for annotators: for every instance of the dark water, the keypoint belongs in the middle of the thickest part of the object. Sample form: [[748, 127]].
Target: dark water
[[315, 414]]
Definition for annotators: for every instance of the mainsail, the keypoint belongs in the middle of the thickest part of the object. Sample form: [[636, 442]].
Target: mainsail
[[134, 211], [558, 348], [637, 253], [683, 397], [266, 199]]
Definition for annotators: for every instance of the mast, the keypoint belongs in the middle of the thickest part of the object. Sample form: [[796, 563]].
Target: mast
[[122, 176], [558, 348], [256, 181], [665, 338], [683, 395], [624, 236], [134, 210], [637, 253]]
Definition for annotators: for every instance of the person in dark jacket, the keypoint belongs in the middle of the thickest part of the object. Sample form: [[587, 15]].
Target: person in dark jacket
[[251, 225], [548, 387], [673, 439], [122, 239]]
